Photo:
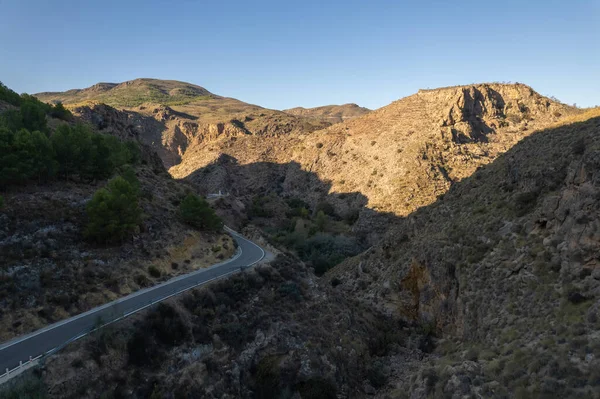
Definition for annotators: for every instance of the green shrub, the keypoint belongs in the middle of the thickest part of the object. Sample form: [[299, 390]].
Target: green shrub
[[31, 386], [297, 203], [320, 221], [258, 209], [1, 202], [154, 271], [324, 251], [113, 212], [290, 289], [299, 208], [317, 388], [33, 113], [9, 96], [167, 325], [326, 208], [81, 152], [376, 374], [196, 212], [60, 112], [25, 155], [578, 147], [352, 216], [524, 202], [12, 120], [128, 173]]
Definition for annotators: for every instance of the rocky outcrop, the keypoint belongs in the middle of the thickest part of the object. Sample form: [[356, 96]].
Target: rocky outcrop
[[508, 258], [171, 116], [400, 157]]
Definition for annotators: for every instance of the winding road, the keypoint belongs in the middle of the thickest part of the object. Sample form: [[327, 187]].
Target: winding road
[[57, 335]]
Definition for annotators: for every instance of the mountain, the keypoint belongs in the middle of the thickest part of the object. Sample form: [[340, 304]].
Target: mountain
[[504, 269], [330, 113], [397, 158], [490, 291], [170, 116], [445, 245], [132, 93], [51, 170]]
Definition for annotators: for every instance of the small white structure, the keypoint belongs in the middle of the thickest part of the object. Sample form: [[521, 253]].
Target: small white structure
[[217, 195]]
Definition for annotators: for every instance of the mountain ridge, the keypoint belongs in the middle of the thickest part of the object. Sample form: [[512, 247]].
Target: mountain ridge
[[401, 156], [333, 113], [131, 93]]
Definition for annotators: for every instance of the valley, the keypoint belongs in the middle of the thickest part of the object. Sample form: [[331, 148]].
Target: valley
[[444, 245]]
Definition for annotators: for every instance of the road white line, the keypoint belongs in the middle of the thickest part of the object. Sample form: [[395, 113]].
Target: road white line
[[132, 295]]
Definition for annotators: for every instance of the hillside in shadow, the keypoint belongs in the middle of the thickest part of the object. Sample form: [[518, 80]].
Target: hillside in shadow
[[294, 208], [521, 235], [505, 268], [491, 291]]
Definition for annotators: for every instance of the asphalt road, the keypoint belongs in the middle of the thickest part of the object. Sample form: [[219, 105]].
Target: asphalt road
[[55, 335]]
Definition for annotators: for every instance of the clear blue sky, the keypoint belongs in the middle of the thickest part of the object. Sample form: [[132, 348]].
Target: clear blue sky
[[281, 54]]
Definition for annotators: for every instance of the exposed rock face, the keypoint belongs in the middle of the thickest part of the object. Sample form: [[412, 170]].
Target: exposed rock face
[[170, 116], [400, 157], [486, 284], [509, 256], [170, 133]]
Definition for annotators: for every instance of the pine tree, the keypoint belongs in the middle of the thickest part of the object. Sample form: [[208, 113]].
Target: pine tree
[[59, 111], [113, 212], [196, 212]]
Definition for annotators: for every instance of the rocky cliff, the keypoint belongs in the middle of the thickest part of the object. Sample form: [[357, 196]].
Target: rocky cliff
[[505, 269], [491, 291], [171, 116], [400, 157]]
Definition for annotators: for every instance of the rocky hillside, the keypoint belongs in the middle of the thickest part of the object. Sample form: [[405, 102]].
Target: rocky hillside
[[171, 116], [399, 158], [504, 269], [131, 93], [268, 333], [330, 113], [48, 269], [491, 291]]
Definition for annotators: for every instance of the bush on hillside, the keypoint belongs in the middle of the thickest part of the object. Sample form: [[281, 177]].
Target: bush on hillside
[[113, 212], [9, 96], [324, 251], [196, 212], [79, 151], [320, 221], [60, 112], [33, 113], [259, 208], [299, 208], [25, 155], [326, 208], [12, 120]]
